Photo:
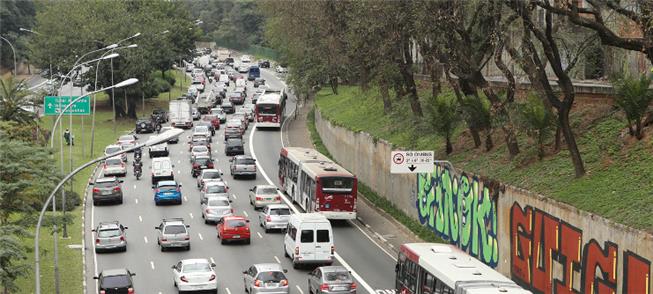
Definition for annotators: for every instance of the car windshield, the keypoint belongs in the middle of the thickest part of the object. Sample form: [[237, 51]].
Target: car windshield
[[234, 142], [115, 282], [218, 202], [126, 138], [280, 211], [161, 165], [175, 229], [200, 149], [245, 161], [274, 277], [196, 268], [337, 277], [202, 160], [211, 175], [111, 150], [337, 184], [105, 184], [168, 188], [109, 233], [236, 223], [266, 190], [114, 161], [201, 129], [235, 94], [216, 189]]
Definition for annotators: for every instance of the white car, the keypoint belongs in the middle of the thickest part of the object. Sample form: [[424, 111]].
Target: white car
[[127, 141], [195, 275], [262, 195], [158, 150], [111, 149], [114, 166], [199, 151], [202, 131], [209, 175], [215, 208], [280, 69], [213, 189]]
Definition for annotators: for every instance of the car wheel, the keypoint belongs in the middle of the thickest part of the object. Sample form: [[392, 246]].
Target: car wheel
[[188, 247], [267, 230], [285, 254], [120, 201], [163, 249], [248, 241], [95, 202], [222, 241]]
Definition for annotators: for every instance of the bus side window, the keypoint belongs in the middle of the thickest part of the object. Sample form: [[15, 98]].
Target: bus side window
[[428, 283], [311, 191]]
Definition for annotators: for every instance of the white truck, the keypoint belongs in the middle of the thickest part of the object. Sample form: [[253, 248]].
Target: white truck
[[181, 114]]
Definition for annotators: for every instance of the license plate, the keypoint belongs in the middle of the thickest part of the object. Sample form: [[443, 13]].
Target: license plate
[[340, 288], [106, 192], [203, 166], [236, 236]]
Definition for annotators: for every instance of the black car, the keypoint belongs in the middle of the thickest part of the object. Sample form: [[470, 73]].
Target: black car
[[258, 82], [160, 115], [228, 107], [115, 281], [145, 125], [264, 64], [200, 163], [234, 147]]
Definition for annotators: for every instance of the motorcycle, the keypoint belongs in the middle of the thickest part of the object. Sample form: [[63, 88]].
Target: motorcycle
[[138, 169]]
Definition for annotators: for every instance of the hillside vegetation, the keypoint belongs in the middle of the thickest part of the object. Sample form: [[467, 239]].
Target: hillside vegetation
[[619, 180]]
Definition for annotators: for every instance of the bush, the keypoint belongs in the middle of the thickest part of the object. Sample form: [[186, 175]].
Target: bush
[[72, 201], [537, 120], [161, 85], [169, 77], [633, 96]]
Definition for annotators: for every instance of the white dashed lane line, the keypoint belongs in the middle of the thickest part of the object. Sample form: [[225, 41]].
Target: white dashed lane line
[[190, 214], [259, 235], [200, 235], [227, 289], [299, 289], [152, 264], [245, 213], [140, 218], [277, 259], [136, 200], [212, 260], [145, 239]]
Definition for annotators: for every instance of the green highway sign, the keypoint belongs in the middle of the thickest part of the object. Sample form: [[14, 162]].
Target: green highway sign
[[53, 105]]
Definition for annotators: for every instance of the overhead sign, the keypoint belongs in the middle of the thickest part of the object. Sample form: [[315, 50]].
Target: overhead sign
[[408, 162], [52, 105]]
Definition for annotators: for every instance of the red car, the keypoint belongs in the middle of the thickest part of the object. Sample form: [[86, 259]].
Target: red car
[[233, 228], [213, 119]]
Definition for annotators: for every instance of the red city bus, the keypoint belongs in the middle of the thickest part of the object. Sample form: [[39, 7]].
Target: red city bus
[[270, 109], [317, 184]]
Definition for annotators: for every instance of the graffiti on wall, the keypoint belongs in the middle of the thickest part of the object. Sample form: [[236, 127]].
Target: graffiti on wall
[[538, 240], [462, 210]]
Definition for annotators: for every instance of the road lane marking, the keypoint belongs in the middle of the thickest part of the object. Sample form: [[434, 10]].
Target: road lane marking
[[152, 264], [259, 235], [191, 214], [178, 171], [212, 260], [185, 198], [234, 195], [178, 161], [362, 282], [277, 259], [145, 238], [181, 152], [200, 235], [134, 187], [245, 213], [227, 289], [300, 289], [140, 218]]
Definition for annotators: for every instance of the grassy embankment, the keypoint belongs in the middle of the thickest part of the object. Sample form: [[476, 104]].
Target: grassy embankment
[[619, 176], [70, 261]]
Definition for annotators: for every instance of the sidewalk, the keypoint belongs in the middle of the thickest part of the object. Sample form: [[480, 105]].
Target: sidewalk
[[374, 222]]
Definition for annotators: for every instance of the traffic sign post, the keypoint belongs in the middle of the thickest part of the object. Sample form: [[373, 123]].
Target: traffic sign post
[[52, 105], [410, 162]]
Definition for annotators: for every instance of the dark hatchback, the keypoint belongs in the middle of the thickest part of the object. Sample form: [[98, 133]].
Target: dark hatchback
[[234, 147], [264, 64], [115, 281], [228, 107], [145, 125], [159, 115], [200, 163], [107, 190]]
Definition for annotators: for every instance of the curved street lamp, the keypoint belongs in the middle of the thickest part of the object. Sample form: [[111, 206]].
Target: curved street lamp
[[13, 50]]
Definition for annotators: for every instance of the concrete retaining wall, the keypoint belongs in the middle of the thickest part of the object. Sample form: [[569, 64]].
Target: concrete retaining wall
[[545, 245]]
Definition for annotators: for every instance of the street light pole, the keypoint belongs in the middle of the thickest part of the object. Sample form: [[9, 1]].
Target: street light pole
[[14, 51], [165, 136]]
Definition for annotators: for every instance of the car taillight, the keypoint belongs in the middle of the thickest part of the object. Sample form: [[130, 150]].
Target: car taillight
[[96, 190], [296, 250], [157, 190], [278, 198], [164, 239], [130, 291], [196, 165], [178, 189], [122, 164], [187, 238], [105, 165], [184, 279], [257, 283], [333, 249], [353, 286], [210, 165], [324, 287], [116, 189], [268, 218], [212, 278], [122, 238], [284, 282], [97, 241], [103, 292], [258, 198], [232, 210], [208, 211], [260, 118]]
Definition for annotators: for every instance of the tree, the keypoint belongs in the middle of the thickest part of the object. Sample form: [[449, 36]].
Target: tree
[[633, 97], [444, 116], [476, 110], [12, 256], [14, 14], [537, 120], [14, 102]]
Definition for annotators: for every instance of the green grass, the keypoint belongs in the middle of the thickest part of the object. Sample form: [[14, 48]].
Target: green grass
[[619, 176], [70, 260], [384, 204]]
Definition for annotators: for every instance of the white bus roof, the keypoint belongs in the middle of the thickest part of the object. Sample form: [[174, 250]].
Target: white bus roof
[[300, 154], [269, 98], [458, 269], [310, 217], [324, 169]]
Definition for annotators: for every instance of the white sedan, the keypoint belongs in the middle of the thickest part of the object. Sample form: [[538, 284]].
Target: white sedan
[[199, 151], [194, 275], [127, 141]]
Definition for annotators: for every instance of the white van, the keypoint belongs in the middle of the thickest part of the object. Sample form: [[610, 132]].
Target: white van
[[308, 239], [162, 169], [240, 83]]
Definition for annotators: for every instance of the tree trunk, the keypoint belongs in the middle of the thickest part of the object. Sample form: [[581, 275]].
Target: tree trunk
[[563, 119], [558, 139], [449, 146], [334, 85], [131, 113], [385, 95], [638, 129], [489, 144], [409, 81], [436, 74], [476, 136], [511, 141]]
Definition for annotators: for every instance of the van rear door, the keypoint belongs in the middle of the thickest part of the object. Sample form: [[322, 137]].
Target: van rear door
[[307, 243], [323, 241]]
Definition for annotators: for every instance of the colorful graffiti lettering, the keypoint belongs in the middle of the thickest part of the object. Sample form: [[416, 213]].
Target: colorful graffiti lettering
[[461, 210], [537, 240]]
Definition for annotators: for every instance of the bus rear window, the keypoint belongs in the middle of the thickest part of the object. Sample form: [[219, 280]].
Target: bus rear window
[[337, 184], [267, 108]]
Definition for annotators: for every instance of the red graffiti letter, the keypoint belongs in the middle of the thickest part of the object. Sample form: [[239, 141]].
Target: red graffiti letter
[[520, 242], [569, 257], [606, 261], [545, 233], [637, 271]]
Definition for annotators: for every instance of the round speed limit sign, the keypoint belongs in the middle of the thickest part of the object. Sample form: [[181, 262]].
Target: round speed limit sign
[[398, 158]]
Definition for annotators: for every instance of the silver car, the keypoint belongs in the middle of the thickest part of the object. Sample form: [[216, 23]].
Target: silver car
[[215, 208], [262, 195], [114, 166], [213, 189], [110, 236], [243, 165], [332, 280], [199, 151], [266, 278], [173, 233], [127, 141], [274, 216], [209, 175], [111, 149]]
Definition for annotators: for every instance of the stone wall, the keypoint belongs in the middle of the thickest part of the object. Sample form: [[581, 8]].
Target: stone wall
[[544, 245]]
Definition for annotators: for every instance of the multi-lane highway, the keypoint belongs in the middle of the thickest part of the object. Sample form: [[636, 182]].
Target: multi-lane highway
[[372, 266]]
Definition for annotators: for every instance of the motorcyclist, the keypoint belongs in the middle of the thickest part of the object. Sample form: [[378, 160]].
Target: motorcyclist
[[138, 153], [158, 128], [138, 167]]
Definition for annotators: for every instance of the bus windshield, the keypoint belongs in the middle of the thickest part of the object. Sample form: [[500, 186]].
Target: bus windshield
[[267, 109], [337, 184]]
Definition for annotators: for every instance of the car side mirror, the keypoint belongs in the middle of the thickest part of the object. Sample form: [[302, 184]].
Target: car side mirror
[[173, 165], [188, 226], [230, 201], [180, 185], [153, 186], [96, 278], [174, 267], [213, 264], [125, 228], [245, 272], [156, 228], [93, 230], [247, 221], [285, 270], [132, 274], [121, 181], [91, 183], [396, 268]]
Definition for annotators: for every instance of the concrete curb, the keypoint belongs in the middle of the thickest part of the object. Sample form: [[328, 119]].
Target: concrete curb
[[388, 217], [84, 202]]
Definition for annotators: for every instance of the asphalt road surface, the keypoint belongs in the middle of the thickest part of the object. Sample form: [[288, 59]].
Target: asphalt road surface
[[372, 267]]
